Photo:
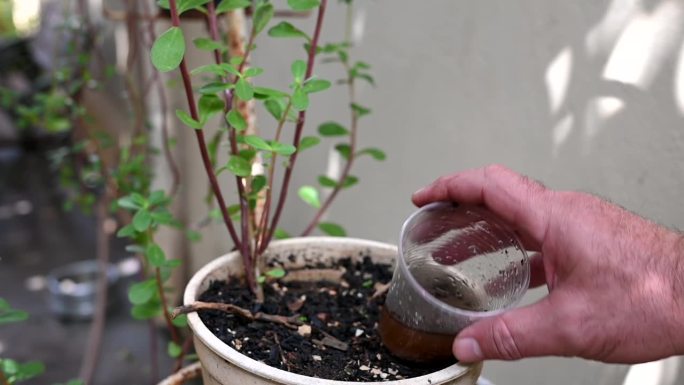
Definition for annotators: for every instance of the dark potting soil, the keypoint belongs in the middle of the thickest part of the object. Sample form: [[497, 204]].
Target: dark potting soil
[[338, 314]]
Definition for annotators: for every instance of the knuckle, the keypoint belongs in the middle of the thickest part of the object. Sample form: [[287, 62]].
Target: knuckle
[[496, 169], [503, 341]]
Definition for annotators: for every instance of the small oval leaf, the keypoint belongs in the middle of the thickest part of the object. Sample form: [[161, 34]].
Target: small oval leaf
[[309, 195], [168, 50]]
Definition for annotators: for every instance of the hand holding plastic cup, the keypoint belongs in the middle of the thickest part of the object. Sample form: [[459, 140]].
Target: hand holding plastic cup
[[457, 264]]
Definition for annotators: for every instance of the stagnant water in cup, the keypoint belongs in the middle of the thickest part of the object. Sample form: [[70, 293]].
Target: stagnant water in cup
[[486, 281], [412, 344]]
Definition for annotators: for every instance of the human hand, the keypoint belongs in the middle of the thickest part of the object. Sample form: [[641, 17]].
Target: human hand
[[615, 280]]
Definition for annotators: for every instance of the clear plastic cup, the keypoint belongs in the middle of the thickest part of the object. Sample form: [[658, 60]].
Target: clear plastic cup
[[457, 264]]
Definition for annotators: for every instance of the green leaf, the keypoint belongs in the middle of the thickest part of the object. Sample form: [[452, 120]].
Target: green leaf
[[332, 229], [239, 166], [146, 310], [213, 88], [308, 142], [230, 5], [300, 100], [174, 350], [376, 153], [210, 105], [258, 143], [253, 71], [8, 366], [360, 110], [316, 85], [188, 120], [155, 255], [262, 15], [349, 181], [142, 292], [180, 321], [344, 150], [332, 129], [157, 197], [282, 148], [207, 44], [215, 69], [368, 283], [275, 107], [127, 203], [186, 5], [258, 183], [29, 370], [236, 120], [126, 231], [12, 316], [285, 29], [365, 77], [327, 182], [231, 69], [244, 90], [169, 49], [277, 272], [298, 69], [266, 93], [281, 234], [303, 5], [261, 279], [309, 195], [142, 220]]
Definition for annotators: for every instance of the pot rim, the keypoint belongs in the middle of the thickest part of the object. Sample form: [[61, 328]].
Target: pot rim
[[201, 331]]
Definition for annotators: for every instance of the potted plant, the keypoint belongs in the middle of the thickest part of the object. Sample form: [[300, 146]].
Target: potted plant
[[285, 325], [109, 170]]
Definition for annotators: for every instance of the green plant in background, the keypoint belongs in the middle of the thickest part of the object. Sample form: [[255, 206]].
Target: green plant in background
[[253, 222], [11, 371]]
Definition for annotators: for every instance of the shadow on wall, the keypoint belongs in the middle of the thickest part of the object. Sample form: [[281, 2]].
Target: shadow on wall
[[623, 56]]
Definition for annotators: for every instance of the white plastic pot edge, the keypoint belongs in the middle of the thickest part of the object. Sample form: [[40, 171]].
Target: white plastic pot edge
[[258, 368]]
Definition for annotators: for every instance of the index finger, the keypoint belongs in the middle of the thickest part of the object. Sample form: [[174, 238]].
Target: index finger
[[520, 201]]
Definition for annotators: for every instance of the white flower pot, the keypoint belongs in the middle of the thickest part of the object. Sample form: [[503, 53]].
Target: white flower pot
[[222, 365]]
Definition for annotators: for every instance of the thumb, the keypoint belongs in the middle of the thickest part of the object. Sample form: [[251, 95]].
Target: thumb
[[524, 332]]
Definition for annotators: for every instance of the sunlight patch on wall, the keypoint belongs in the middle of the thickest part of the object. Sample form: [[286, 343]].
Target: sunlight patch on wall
[[359, 26], [604, 34], [644, 44], [599, 111], [561, 132], [557, 78], [663, 372], [679, 80]]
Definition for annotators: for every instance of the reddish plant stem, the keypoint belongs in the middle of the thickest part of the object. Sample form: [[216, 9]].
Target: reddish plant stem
[[245, 249], [165, 309], [187, 84], [3, 379], [298, 131]]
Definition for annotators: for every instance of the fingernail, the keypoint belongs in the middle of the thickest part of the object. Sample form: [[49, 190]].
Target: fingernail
[[467, 350], [419, 192]]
